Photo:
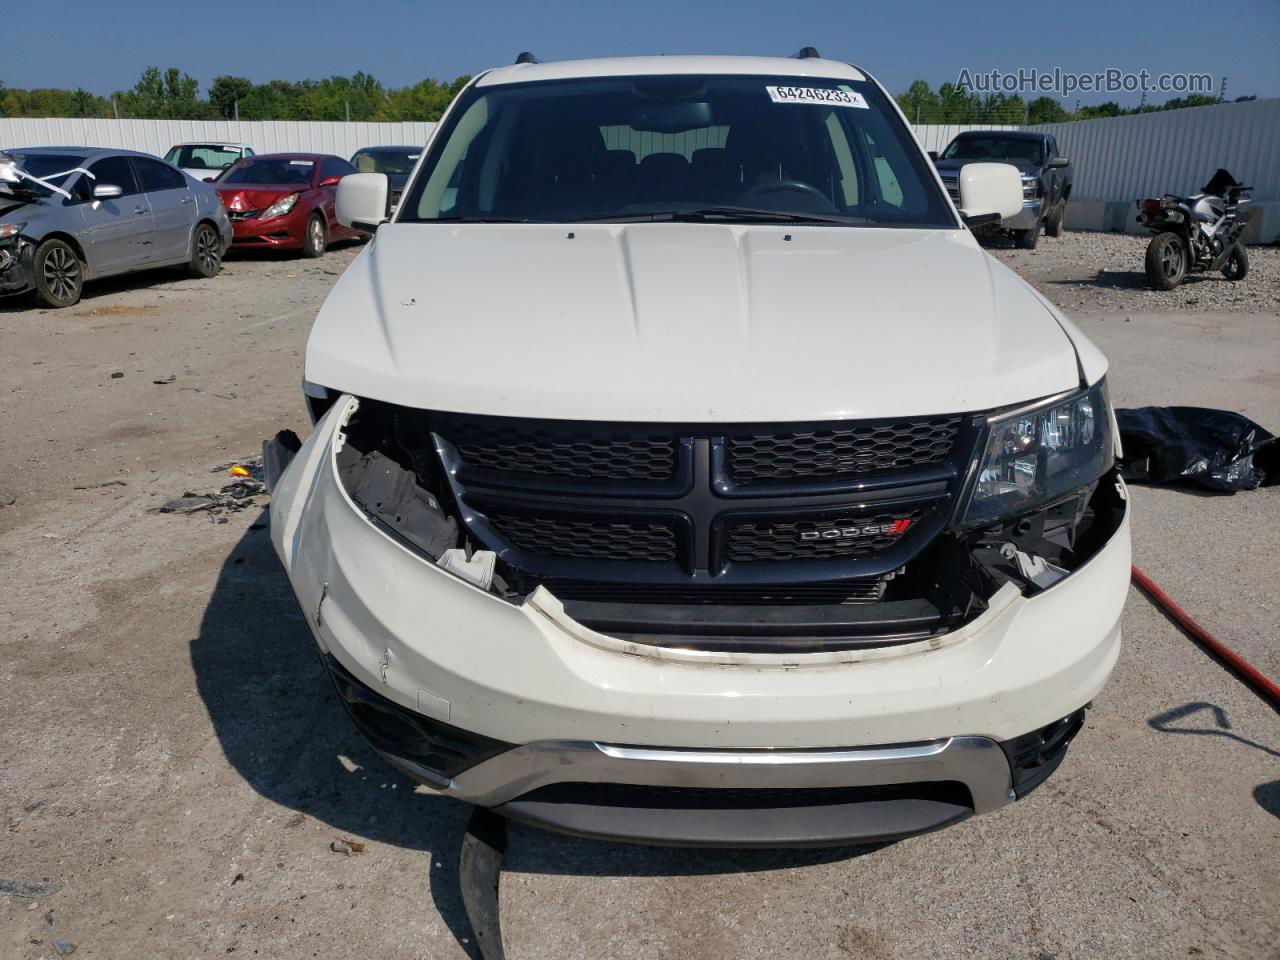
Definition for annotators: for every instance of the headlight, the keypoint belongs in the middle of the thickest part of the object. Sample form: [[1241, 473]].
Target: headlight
[[280, 207], [1038, 454], [10, 230], [1030, 187]]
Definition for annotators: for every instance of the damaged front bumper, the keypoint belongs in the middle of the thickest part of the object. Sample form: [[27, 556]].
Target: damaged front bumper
[[522, 708], [17, 275]]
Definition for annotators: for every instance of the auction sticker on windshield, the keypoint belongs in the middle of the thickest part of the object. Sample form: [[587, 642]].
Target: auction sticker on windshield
[[837, 98]]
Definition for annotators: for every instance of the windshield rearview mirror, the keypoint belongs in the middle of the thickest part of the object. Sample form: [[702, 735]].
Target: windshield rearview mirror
[[362, 200], [107, 191], [989, 192], [653, 117]]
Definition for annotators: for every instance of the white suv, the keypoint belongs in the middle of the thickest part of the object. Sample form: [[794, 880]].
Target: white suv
[[684, 472]]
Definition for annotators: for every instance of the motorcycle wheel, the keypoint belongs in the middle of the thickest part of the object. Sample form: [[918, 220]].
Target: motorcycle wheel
[[1237, 265], [1166, 261], [1053, 226]]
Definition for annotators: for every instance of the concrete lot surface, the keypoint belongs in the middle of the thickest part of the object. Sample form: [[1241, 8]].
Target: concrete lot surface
[[173, 766]]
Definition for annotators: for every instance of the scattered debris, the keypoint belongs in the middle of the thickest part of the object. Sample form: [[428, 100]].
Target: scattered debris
[[28, 891], [172, 378], [117, 375], [7, 499], [349, 847], [64, 948], [237, 878], [1214, 449], [188, 503], [98, 486], [238, 471]]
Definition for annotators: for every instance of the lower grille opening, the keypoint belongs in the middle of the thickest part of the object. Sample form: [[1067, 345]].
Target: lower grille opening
[[720, 798], [1034, 756]]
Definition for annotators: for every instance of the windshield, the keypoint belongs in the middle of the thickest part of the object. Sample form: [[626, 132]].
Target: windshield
[[45, 165], [747, 148], [386, 161], [1000, 149], [202, 156], [270, 171]]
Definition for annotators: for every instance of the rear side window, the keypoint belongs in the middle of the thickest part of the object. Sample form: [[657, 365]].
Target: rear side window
[[112, 171], [335, 167], [157, 176]]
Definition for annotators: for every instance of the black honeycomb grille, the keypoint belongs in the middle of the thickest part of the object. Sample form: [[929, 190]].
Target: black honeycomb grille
[[588, 538], [840, 452], [756, 540], [506, 447]]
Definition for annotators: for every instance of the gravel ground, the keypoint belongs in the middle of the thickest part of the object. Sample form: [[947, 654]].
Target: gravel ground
[[1087, 272], [173, 767]]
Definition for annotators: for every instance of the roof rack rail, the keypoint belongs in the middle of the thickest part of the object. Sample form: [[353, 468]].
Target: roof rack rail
[[806, 53], [524, 56]]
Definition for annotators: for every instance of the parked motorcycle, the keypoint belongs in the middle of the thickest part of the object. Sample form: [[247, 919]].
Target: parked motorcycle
[[1197, 234]]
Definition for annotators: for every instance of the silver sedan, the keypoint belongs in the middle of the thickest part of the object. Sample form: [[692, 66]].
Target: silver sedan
[[71, 214]]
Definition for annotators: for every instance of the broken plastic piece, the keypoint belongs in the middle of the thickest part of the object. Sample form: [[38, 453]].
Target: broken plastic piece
[[1034, 568], [479, 870], [477, 570], [1214, 449], [239, 471], [349, 847]]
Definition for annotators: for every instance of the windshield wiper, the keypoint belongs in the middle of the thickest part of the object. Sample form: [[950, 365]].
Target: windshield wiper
[[481, 220], [723, 214]]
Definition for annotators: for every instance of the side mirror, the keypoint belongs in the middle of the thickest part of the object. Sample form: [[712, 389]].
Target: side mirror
[[933, 155], [107, 191], [1058, 162], [362, 200], [330, 181], [989, 193]]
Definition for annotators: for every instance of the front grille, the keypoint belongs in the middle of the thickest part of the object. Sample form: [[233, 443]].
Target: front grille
[[755, 540], [743, 798], [597, 538], [952, 184], [839, 592], [496, 444], [841, 452], [243, 214]]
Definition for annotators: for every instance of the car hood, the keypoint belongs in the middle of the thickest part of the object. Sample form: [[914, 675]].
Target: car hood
[[686, 322], [238, 196], [952, 166]]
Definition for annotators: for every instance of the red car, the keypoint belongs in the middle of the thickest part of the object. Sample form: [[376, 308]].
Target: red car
[[284, 201]]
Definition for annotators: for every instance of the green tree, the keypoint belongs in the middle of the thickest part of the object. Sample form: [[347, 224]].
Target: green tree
[[170, 95], [956, 106], [425, 100], [1046, 110], [920, 103], [1107, 109], [225, 92], [1192, 100]]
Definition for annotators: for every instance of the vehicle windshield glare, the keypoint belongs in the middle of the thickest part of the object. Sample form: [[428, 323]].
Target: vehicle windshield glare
[[270, 171], [728, 148], [994, 149], [385, 161], [203, 156]]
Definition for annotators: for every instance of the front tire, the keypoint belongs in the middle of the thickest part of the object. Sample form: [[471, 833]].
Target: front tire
[[1053, 226], [1237, 265], [317, 237], [59, 274], [1027, 239], [206, 252], [1166, 261]]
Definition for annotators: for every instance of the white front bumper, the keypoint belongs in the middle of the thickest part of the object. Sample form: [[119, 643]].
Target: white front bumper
[[432, 643]]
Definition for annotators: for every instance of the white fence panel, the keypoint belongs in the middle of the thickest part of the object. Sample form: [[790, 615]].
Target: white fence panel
[[157, 136]]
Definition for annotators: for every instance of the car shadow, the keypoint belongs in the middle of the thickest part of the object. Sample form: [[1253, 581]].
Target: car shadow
[[283, 730], [272, 254], [1131, 280], [152, 279]]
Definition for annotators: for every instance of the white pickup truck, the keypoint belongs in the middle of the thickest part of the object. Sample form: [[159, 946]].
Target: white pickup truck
[[683, 471]]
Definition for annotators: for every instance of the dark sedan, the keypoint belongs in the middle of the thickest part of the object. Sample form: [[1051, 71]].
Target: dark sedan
[[396, 162], [284, 201]]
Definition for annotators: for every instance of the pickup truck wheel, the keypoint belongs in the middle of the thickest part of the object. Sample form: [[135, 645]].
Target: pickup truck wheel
[[317, 237], [1053, 225], [1166, 261], [1237, 265], [59, 274], [206, 252], [1027, 239]]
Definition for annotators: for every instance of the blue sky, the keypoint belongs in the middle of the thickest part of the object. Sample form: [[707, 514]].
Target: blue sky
[[106, 45]]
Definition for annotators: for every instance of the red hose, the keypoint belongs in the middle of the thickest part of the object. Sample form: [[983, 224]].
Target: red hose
[[1242, 668]]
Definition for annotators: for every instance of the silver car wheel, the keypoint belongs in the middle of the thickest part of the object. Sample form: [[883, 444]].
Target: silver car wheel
[[62, 273], [209, 250]]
